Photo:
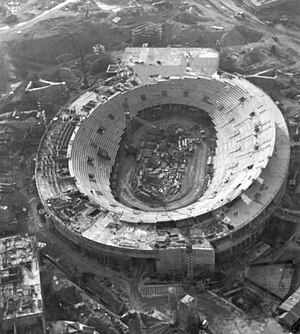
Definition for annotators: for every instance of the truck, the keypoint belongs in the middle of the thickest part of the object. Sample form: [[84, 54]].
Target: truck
[[293, 182]]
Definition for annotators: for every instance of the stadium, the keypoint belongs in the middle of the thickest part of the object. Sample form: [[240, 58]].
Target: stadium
[[176, 172]]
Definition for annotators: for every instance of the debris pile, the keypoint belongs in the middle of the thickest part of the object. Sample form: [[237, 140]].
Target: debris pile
[[162, 162]]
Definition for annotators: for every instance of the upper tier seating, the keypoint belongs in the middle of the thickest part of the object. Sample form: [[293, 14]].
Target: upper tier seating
[[245, 140]]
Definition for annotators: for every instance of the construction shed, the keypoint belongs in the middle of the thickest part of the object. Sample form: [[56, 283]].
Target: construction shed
[[290, 310]]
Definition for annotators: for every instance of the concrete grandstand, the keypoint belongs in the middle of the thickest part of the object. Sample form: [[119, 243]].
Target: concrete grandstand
[[247, 157]]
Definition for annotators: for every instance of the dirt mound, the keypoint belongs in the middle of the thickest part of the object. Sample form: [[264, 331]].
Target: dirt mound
[[197, 36], [253, 56], [240, 35], [75, 37]]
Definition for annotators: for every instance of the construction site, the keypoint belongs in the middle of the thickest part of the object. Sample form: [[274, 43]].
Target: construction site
[[149, 171], [170, 153]]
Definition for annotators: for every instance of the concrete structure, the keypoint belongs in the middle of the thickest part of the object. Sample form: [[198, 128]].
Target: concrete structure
[[21, 302], [186, 308], [46, 91], [250, 166], [259, 5], [152, 64], [290, 310], [112, 69], [148, 32], [23, 120], [275, 278], [152, 322], [68, 327]]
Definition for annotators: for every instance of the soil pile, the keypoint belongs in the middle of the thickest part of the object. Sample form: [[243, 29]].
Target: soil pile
[[240, 35]]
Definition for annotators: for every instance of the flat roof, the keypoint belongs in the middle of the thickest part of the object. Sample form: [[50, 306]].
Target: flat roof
[[20, 285], [151, 63], [292, 303]]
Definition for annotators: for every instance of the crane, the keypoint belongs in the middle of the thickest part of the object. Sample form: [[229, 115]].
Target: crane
[[189, 260], [189, 255]]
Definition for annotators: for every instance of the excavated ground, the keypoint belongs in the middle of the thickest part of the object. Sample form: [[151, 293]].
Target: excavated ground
[[192, 182]]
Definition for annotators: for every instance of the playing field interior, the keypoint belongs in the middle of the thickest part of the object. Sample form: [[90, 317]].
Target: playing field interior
[[168, 165]]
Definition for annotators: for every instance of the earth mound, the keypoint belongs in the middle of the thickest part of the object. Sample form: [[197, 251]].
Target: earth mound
[[240, 35]]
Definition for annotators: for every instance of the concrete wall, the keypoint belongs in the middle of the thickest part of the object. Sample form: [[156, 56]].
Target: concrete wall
[[241, 239], [170, 259], [35, 322], [204, 258], [174, 259]]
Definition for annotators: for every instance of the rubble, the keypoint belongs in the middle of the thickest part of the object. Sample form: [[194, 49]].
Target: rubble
[[162, 161], [20, 287]]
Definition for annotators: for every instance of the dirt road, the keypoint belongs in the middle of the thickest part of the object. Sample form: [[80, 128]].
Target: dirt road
[[6, 32]]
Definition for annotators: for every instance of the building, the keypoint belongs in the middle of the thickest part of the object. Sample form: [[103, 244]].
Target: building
[[112, 69], [148, 32], [23, 120], [246, 173], [71, 327], [21, 308], [290, 310], [187, 319], [186, 308], [150, 322], [152, 64]]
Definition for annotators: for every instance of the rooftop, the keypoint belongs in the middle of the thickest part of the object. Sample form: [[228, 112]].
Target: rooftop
[[20, 286], [151, 63], [63, 326]]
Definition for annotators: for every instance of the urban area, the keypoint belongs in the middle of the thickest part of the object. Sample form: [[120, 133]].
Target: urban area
[[149, 166]]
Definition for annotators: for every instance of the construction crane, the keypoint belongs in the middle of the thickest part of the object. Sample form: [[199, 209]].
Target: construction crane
[[189, 255], [189, 260]]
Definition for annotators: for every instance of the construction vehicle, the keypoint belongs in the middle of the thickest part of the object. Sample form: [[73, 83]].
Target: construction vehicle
[[293, 182], [189, 260], [240, 16], [283, 19], [203, 323]]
